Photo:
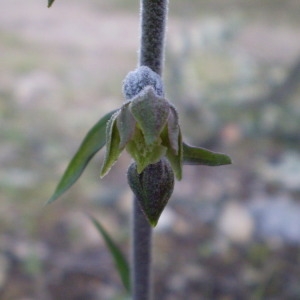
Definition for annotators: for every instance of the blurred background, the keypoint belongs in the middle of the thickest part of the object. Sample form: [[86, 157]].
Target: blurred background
[[233, 71]]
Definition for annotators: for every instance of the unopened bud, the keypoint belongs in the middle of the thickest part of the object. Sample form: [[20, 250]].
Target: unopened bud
[[152, 188], [137, 80]]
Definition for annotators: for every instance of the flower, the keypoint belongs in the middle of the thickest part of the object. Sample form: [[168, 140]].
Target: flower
[[147, 127]]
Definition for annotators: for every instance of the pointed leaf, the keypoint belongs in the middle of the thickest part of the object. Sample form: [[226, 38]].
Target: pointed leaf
[[92, 143], [113, 150], [200, 156], [119, 259], [50, 2], [151, 113]]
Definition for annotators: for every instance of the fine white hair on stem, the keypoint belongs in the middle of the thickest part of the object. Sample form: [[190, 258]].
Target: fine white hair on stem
[[153, 26]]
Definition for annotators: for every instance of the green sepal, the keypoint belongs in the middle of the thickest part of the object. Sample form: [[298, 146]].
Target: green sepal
[[175, 158], [113, 150], [173, 129], [151, 113], [200, 156], [118, 257], [142, 153], [126, 125], [50, 2], [91, 144]]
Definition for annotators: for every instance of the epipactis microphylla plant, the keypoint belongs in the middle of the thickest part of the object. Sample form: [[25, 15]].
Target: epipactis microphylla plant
[[147, 126]]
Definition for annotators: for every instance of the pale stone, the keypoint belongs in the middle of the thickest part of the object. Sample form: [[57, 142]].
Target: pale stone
[[236, 223]]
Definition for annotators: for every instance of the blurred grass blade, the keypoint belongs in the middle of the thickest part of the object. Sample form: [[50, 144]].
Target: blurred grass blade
[[50, 2], [92, 143], [200, 156], [120, 260]]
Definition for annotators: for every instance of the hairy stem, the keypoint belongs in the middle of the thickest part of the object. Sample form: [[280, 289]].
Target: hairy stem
[[141, 271], [153, 22]]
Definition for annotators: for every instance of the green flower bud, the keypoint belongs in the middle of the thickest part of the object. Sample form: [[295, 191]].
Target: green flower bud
[[152, 188]]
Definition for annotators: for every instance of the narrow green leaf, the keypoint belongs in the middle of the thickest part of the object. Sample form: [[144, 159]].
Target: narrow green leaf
[[119, 259], [92, 143], [50, 2], [200, 156]]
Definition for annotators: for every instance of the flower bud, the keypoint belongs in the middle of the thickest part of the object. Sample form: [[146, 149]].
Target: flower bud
[[152, 188], [135, 81]]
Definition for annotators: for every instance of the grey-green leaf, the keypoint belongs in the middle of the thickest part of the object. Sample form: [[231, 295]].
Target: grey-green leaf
[[92, 143], [50, 2], [119, 259], [200, 156]]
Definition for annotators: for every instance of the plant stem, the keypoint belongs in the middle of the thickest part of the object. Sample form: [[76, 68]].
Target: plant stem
[[141, 271], [153, 22]]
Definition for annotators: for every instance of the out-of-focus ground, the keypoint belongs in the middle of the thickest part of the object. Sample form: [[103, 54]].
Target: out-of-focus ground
[[233, 71]]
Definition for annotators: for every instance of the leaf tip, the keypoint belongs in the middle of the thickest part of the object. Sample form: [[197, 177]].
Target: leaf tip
[[222, 159], [54, 197], [227, 160], [103, 172], [50, 200], [178, 175], [153, 222], [50, 2]]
